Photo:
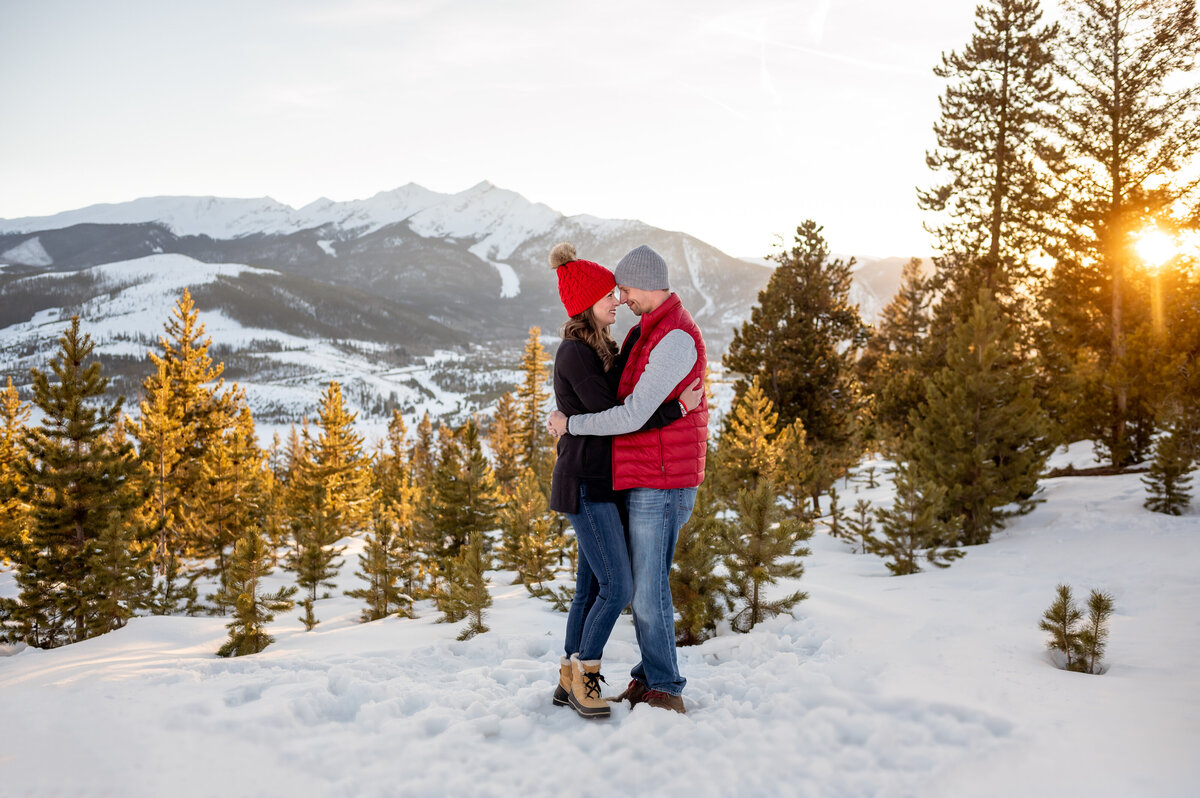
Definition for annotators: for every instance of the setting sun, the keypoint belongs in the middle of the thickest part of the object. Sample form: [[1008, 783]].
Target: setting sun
[[1155, 247]]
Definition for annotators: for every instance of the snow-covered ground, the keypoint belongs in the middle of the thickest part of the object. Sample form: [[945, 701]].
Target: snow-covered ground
[[936, 684]]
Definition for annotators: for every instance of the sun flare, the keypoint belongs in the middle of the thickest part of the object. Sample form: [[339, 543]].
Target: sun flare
[[1155, 247]]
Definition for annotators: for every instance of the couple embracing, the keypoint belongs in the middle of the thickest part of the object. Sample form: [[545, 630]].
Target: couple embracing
[[632, 429]]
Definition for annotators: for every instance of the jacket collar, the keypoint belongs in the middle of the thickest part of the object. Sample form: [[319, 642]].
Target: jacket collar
[[650, 320]]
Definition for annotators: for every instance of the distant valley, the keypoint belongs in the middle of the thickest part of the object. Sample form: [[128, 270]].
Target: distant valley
[[411, 299]]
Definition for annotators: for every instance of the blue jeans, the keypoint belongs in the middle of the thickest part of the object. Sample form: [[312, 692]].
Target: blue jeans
[[603, 582], [655, 517]]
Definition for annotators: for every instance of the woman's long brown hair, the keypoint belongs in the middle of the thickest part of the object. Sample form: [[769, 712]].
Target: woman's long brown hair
[[583, 327]]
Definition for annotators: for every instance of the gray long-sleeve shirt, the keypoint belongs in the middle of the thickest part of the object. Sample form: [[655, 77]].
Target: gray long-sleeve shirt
[[670, 361]]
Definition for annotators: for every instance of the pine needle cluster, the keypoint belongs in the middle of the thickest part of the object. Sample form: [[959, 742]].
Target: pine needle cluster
[[1078, 641]]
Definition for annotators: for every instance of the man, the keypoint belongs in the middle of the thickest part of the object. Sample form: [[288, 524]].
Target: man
[[661, 467]]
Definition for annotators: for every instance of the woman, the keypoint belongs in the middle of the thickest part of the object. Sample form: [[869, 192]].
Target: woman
[[587, 370]]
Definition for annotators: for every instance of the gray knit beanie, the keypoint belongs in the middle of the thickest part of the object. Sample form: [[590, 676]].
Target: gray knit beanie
[[642, 268]]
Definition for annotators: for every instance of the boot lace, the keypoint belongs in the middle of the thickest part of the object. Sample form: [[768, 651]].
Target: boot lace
[[591, 684], [652, 696]]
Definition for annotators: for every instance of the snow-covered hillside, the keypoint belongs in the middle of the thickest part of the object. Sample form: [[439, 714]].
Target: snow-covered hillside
[[134, 299], [936, 684]]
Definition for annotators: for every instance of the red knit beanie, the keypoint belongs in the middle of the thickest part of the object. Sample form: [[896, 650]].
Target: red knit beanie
[[581, 283]]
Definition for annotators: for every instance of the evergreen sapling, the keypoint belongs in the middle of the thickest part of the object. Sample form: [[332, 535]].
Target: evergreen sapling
[[860, 525], [697, 587], [913, 524], [465, 590], [1169, 478], [252, 611], [387, 557], [1093, 636]]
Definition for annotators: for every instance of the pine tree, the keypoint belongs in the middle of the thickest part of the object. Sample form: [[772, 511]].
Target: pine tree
[[252, 611], [537, 555], [860, 526], [388, 558], [836, 527], [505, 444], [764, 544], [981, 434], [1093, 636], [402, 497], [531, 543], [999, 101], [275, 524], [764, 548], [330, 496], [801, 341], [393, 478], [342, 465], [465, 593], [465, 499], [235, 472], [81, 496], [536, 446], [696, 586], [1169, 477], [14, 507], [159, 432], [797, 470], [185, 392], [891, 365], [120, 580], [1061, 621], [1130, 129], [913, 524], [524, 507], [422, 456], [483, 496], [870, 473]]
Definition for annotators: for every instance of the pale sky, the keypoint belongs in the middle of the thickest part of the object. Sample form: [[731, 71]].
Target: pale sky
[[732, 121]]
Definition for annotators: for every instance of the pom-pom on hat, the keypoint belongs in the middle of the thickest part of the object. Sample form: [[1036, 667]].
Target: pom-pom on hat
[[581, 283]]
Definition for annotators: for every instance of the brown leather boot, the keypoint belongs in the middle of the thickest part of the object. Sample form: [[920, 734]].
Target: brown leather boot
[[563, 691], [633, 693], [657, 698], [585, 695]]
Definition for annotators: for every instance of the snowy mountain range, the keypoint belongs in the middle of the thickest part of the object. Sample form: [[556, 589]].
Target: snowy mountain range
[[411, 298]]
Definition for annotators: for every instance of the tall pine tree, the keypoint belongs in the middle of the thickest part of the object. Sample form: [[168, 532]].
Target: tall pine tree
[[536, 449], [891, 365], [187, 383], [330, 496], [1129, 129], [981, 435], [994, 196], [801, 341], [505, 443], [82, 499]]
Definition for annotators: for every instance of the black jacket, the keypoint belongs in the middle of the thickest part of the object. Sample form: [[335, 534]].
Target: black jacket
[[582, 386]]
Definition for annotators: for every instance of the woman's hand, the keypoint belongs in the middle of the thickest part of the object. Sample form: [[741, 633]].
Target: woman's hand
[[557, 425], [692, 396]]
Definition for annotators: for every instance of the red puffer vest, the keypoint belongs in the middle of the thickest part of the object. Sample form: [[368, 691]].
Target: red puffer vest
[[672, 456]]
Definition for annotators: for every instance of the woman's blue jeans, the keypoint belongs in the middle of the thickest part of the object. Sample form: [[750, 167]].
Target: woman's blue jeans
[[604, 580]]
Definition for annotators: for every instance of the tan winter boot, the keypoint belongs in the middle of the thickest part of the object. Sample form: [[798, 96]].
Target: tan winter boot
[[585, 695], [563, 691]]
